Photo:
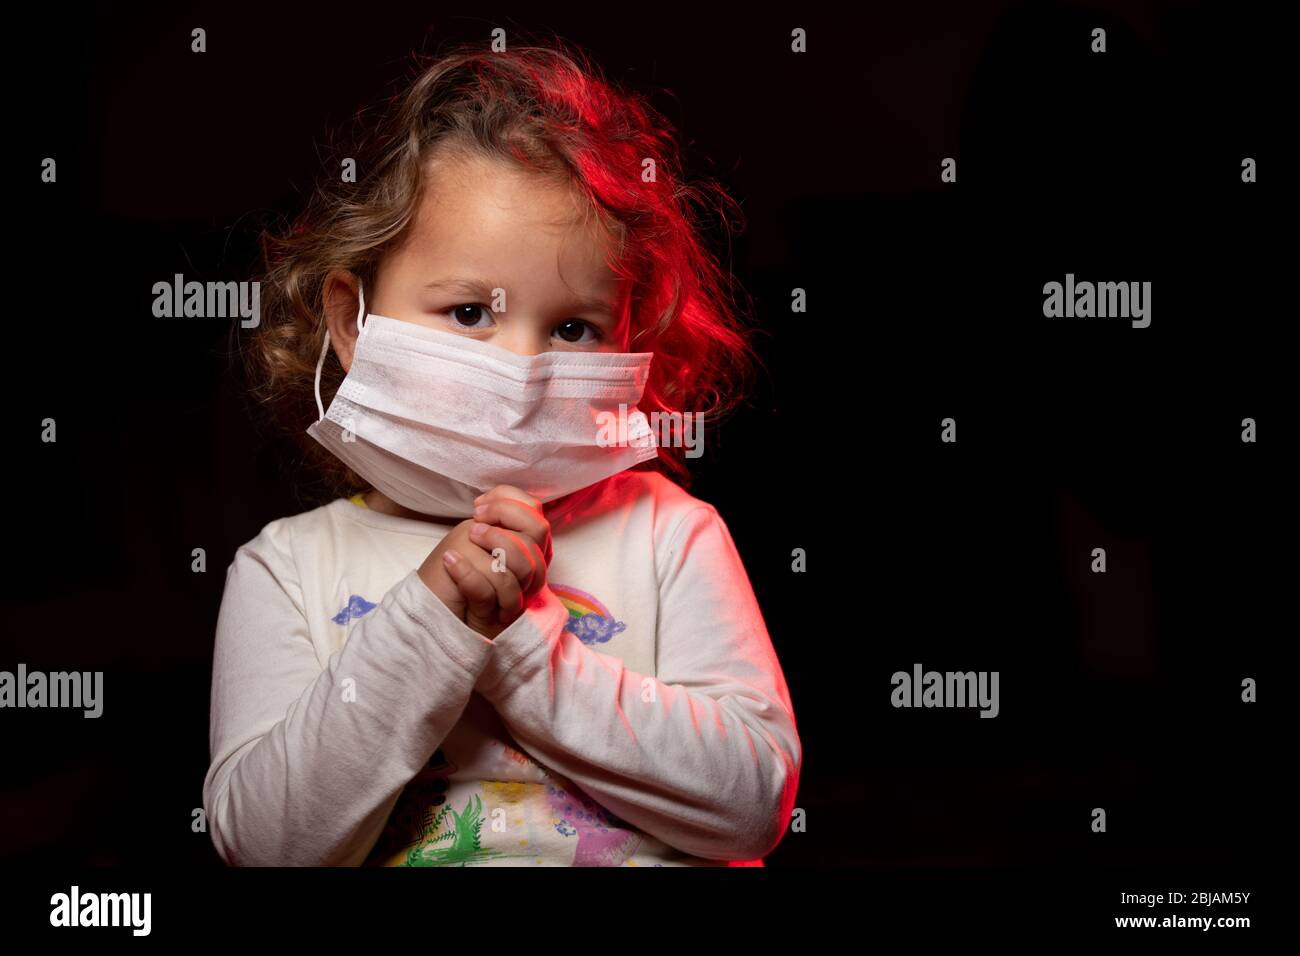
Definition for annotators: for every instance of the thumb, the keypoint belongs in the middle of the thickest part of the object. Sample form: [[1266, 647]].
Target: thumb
[[480, 596]]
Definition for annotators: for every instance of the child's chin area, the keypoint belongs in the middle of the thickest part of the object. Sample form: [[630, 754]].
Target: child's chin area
[[377, 501]]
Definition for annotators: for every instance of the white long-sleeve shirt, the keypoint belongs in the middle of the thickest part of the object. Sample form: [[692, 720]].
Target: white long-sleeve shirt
[[635, 714]]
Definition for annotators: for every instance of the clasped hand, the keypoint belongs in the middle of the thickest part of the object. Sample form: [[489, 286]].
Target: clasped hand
[[488, 567]]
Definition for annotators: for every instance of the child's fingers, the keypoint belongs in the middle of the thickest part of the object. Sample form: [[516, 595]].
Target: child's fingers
[[512, 493], [481, 600], [523, 558], [509, 594], [518, 516], [509, 491]]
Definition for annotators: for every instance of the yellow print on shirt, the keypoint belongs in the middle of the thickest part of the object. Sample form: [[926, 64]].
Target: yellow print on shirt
[[598, 838]]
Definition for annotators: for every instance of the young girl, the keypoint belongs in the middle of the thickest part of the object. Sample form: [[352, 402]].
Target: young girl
[[516, 643]]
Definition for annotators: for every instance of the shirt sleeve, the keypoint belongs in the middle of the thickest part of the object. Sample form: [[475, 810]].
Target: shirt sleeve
[[307, 762], [704, 755]]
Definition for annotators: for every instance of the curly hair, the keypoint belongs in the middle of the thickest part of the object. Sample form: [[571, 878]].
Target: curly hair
[[549, 110]]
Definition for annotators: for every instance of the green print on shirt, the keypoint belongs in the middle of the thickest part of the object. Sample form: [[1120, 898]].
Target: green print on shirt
[[458, 845]]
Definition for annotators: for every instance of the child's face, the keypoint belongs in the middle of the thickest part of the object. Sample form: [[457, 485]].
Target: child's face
[[486, 225]]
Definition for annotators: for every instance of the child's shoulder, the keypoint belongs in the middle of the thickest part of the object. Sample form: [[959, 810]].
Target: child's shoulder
[[276, 538], [667, 501]]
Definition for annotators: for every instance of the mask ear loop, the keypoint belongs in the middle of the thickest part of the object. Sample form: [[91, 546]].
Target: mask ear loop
[[361, 316]]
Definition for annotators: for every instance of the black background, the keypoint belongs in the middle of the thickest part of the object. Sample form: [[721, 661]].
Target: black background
[[1119, 691]]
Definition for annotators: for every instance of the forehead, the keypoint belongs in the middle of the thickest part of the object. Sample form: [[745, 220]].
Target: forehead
[[495, 218]]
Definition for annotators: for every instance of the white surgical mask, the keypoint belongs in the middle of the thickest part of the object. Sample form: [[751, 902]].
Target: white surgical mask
[[434, 419]]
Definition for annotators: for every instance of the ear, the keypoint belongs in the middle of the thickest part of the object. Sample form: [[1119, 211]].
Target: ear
[[341, 297]]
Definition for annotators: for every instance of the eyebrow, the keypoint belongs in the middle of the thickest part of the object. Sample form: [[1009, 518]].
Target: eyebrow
[[478, 288]]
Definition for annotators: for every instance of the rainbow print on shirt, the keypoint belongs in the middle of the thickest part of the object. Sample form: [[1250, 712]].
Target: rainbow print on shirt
[[589, 620]]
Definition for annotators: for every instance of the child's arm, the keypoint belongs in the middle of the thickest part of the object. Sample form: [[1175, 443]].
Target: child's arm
[[307, 763], [704, 756]]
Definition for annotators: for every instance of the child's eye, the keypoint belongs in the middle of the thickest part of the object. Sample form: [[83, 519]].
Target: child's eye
[[574, 327], [465, 315]]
